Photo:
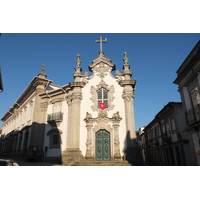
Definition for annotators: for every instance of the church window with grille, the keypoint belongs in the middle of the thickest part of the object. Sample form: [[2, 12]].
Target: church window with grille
[[102, 97]]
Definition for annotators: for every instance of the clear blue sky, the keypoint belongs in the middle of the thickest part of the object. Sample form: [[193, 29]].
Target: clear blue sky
[[154, 59]]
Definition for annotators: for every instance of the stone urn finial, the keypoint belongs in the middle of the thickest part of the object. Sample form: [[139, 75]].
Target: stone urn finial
[[125, 58]]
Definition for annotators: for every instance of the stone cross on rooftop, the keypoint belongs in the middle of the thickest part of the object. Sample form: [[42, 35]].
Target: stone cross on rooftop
[[101, 41]]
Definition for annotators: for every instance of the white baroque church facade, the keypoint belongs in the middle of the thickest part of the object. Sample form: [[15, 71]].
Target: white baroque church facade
[[90, 119]]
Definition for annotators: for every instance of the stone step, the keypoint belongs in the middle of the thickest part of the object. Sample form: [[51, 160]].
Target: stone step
[[101, 163]]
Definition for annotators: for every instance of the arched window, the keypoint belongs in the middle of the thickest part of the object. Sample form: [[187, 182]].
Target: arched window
[[54, 138], [102, 94]]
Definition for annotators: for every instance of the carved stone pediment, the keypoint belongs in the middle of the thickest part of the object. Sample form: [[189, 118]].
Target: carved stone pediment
[[103, 118], [101, 60], [102, 114], [101, 70], [102, 84], [102, 125]]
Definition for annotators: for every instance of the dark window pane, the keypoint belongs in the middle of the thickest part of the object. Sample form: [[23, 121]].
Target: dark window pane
[[106, 102], [99, 103], [99, 92], [55, 139], [105, 94]]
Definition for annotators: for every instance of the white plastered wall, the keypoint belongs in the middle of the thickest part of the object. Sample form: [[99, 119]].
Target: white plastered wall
[[118, 102]]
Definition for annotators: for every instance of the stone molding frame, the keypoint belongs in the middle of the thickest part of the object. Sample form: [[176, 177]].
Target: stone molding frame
[[94, 97], [103, 122]]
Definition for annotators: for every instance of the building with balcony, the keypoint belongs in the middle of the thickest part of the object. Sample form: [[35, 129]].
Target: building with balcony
[[166, 140], [90, 119], [188, 81]]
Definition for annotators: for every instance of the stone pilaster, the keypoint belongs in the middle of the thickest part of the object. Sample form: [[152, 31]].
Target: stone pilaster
[[69, 138], [39, 117], [89, 141], [128, 97], [72, 152], [132, 153], [75, 120], [116, 141], [38, 127]]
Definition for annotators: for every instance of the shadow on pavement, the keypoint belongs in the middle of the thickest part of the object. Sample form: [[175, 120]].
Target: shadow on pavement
[[27, 163]]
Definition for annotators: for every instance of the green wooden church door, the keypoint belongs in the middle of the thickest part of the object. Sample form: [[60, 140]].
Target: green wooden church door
[[102, 145]]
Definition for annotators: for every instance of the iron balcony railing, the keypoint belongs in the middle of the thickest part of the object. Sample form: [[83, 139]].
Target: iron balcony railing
[[55, 117], [193, 115]]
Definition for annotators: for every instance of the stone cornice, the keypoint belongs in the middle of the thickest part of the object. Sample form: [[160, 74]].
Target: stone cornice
[[63, 90], [29, 90], [77, 84], [168, 110], [188, 64], [187, 75], [124, 73], [38, 81], [52, 93], [127, 82]]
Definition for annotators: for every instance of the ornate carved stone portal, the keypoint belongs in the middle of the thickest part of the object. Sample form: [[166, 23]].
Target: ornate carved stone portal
[[99, 123]]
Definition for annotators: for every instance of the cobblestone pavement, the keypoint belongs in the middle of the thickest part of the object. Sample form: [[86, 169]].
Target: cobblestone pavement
[[27, 163]]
